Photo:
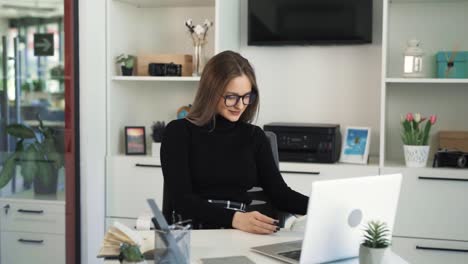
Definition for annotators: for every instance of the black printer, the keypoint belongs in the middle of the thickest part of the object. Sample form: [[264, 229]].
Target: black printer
[[307, 142]]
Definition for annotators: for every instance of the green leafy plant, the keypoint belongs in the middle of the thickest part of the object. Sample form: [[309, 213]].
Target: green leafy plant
[[413, 132], [57, 73], [376, 235], [131, 253], [158, 129], [36, 153], [126, 60]]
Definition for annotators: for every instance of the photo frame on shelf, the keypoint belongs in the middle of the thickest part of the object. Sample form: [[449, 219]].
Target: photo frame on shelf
[[135, 140], [355, 147]]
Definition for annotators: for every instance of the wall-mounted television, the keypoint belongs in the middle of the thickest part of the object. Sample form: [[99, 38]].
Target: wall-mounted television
[[309, 22]]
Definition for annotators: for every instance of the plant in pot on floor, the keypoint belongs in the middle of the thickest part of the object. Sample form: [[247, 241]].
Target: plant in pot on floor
[[376, 243], [415, 136], [37, 155], [157, 135], [126, 63], [131, 254]]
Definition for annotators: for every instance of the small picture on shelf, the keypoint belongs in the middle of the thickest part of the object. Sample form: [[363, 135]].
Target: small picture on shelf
[[356, 143], [135, 140]]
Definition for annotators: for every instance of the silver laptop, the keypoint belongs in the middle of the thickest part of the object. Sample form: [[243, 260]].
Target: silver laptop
[[337, 213]]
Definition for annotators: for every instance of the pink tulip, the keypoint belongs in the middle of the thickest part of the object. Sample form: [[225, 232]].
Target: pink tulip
[[433, 119], [409, 117]]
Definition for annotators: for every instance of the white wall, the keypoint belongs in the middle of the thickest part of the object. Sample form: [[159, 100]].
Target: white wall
[[92, 21], [3, 26], [319, 84]]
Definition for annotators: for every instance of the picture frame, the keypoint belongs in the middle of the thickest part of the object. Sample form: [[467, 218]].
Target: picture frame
[[355, 147], [135, 140]]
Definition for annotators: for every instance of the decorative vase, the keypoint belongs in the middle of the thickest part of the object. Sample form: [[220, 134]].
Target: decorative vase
[[371, 255], [198, 59], [43, 186], [126, 71], [155, 149], [416, 156]]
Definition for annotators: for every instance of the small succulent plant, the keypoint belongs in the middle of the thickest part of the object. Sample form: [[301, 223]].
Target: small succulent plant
[[376, 235], [158, 131], [131, 253]]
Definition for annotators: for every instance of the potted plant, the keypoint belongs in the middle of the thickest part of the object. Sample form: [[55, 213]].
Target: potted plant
[[131, 254], [376, 243], [36, 153], [126, 63], [157, 135], [415, 136]]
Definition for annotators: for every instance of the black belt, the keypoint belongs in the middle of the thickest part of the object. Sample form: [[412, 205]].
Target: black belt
[[230, 204]]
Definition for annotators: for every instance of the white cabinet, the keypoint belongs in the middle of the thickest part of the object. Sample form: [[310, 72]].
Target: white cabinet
[[130, 181], [426, 251], [431, 204], [30, 230], [299, 176]]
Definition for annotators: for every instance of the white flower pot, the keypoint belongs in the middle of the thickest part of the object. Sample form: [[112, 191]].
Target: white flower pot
[[371, 255], [128, 262], [155, 149], [416, 156]]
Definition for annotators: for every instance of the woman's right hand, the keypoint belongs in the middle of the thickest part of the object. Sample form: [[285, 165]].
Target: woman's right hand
[[255, 222]]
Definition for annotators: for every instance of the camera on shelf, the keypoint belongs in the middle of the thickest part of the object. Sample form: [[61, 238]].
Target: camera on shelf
[[164, 69], [450, 158]]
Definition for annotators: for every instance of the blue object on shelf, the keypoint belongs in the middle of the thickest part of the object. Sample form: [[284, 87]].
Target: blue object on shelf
[[448, 67]]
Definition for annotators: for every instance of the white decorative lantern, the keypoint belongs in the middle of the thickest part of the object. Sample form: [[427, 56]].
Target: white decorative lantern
[[413, 61]]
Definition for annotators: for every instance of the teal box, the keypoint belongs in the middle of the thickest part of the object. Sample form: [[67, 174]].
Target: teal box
[[446, 68]]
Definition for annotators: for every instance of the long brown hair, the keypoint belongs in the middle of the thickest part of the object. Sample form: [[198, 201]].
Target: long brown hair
[[217, 74]]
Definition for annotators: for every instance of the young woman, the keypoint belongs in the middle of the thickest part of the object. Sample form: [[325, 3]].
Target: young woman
[[214, 156]]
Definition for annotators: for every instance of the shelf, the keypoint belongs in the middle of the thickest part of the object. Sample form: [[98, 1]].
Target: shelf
[[156, 79], [167, 3], [425, 80], [308, 166]]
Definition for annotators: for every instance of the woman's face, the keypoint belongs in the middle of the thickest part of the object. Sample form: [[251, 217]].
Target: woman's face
[[227, 106]]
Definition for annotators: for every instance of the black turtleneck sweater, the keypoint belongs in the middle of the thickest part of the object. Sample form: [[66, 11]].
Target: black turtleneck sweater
[[201, 163]]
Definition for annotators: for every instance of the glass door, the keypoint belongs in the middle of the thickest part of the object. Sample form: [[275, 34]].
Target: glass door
[[38, 131]]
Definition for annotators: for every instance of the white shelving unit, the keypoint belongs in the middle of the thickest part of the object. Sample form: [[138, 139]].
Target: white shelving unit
[[426, 80], [438, 24], [428, 196], [146, 27]]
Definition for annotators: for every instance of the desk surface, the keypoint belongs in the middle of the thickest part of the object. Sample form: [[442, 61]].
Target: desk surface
[[232, 242]]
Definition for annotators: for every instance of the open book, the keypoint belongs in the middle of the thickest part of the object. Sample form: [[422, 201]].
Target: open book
[[120, 233]]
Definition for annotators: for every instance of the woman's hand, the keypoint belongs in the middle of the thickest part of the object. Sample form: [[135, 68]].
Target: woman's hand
[[255, 222]]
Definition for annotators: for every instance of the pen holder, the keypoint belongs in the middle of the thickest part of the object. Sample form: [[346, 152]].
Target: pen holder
[[172, 247]]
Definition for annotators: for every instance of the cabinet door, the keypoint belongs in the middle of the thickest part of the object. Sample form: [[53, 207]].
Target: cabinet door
[[432, 203], [299, 176], [130, 181], [35, 248], [32, 216], [428, 251]]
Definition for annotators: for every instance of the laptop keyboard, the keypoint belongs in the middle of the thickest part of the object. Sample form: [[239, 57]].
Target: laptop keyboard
[[295, 254]]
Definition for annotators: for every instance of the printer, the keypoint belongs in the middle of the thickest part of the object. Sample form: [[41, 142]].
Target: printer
[[307, 142]]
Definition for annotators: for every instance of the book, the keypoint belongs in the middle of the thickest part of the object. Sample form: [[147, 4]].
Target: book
[[119, 233]]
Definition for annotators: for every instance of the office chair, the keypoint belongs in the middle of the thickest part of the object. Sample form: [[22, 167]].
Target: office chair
[[260, 202]]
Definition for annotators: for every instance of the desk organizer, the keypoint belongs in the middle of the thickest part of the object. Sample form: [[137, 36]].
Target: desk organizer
[[448, 67]]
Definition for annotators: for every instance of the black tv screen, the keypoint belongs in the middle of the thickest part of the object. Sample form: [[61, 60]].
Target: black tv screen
[[309, 22]]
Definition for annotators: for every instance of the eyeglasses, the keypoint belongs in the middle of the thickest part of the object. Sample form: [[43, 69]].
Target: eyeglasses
[[233, 99]]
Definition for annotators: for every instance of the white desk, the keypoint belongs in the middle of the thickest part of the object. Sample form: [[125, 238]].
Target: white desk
[[232, 242]]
